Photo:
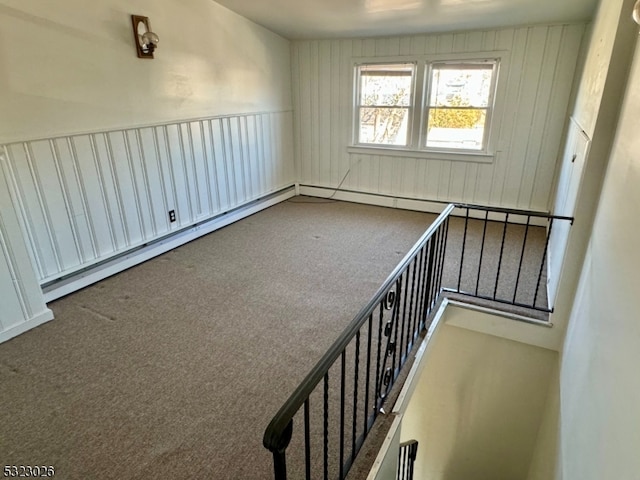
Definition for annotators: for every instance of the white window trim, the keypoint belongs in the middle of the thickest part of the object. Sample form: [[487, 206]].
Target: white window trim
[[417, 121]]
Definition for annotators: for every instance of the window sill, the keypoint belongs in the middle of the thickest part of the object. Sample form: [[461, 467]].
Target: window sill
[[475, 157]]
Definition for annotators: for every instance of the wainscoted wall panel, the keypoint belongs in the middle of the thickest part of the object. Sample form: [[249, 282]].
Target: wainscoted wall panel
[[540, 65], [82, 199], [22, 306]]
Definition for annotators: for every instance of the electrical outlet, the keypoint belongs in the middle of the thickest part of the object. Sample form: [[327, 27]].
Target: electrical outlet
[[172, 216]]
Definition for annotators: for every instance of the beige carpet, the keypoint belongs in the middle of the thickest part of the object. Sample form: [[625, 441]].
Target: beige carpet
[[173, 369]]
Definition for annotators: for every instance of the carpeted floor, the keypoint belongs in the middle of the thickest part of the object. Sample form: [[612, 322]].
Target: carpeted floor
[[173, 369]]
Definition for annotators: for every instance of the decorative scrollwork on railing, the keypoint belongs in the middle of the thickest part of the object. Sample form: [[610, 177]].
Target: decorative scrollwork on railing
[[389, 300]]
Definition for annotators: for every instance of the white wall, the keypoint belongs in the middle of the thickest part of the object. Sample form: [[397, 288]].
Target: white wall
[[545, 463], [477, 406], [70, 67], [96, 145], [600, 385], [541, 65], [21, 303], [595, 112]]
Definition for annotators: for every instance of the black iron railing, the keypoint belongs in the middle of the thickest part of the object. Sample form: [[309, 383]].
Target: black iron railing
[[331, 424], [406, 460], [490, 254], [501, 255]]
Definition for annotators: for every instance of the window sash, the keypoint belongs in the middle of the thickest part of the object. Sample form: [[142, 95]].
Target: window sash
[[491, 66], [387, 69]]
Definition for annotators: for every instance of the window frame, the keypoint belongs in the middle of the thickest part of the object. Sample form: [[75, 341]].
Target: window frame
[[358, 106], [427, 107], [417, 128]]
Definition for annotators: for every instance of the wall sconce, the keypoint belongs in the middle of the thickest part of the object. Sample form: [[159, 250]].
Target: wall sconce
[[146, 40], [636, 12]]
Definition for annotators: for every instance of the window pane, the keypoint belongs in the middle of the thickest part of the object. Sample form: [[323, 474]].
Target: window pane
[[386, 85], [456, 128], [384, 126], [460, 85]]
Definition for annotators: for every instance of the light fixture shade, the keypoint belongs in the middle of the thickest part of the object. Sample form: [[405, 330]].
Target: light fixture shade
[[636, 12], [149, 38]]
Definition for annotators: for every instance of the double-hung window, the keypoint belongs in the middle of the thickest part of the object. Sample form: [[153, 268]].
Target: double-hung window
[[385, 103], [458, 105], [426, 106]]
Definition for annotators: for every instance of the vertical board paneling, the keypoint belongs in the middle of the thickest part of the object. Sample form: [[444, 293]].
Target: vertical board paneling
[[533, 150], [32, 213], [84, 233], [110, 198], [83, 198], [536, 78], [324, 115], [92, 228], [336, 87], [566, 64], [524, 99], [295, 99]]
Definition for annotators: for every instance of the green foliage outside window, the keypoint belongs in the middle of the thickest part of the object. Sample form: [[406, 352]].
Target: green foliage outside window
[[452, 117]]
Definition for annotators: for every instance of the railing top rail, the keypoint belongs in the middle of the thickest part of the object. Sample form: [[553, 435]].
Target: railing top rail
[[274, 433], [512, 211]]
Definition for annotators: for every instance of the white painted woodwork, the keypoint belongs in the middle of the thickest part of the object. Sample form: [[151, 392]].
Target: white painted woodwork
[[537, 83], [21, 304], [569, 180], [82, 199]]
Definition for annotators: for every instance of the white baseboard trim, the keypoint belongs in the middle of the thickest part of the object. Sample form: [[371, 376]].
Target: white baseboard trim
[[415, 204], [93, 275], [14, 331], [374, 199]]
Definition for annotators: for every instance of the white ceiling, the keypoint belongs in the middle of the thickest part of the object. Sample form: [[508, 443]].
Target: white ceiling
[[359, 18]]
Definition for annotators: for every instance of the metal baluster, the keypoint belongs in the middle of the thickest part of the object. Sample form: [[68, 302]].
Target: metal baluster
[[524, 243], [396, 326], [279, 454], [412, 317], [326, 426], [428, 281], [417, 316], [484, 236], [342, 392], [307, 441], [413, 453], [354, 424], [440, 263], [368, 376], [464, 241], [444, 251], [544, 257], [504, 234], [378, 373], [422, 284], [432, 275], [401, 346]]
